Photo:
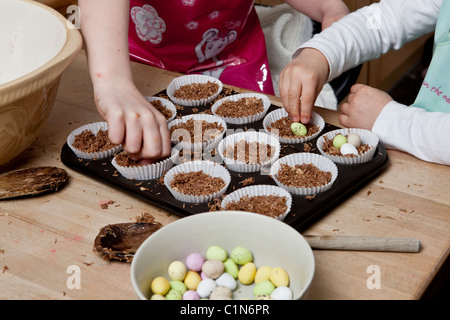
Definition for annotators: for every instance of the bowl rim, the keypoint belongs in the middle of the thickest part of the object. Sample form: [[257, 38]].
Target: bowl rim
[[173, 224], [70, 49]]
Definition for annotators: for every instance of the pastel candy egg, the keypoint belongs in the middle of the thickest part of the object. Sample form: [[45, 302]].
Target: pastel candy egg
[[213, 268], [192, 280], [265, 287], [247, 273], [157, 297], [174, 295], [194, 261], [299, 129], [178, 285], [263, 297], [216, 253], [263, 273], [354, 139], [231, 267], [221, 293], [281, 293], [226, 280], [339, 140], [205, 287], [279, 277], [177, 270], [241, 255], [160, 285], [348, 148], [191, 295]]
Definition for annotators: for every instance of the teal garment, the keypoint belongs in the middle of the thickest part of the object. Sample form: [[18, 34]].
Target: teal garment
[[434, 94]]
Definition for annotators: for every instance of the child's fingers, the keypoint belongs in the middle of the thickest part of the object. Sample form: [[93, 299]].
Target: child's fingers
[[307, 102], [134, 133]]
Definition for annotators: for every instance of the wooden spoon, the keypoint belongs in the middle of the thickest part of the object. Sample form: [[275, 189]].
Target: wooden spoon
[[31, 181]]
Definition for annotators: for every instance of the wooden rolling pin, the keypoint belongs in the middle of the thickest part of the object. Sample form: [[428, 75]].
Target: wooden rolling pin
[[363, 243]]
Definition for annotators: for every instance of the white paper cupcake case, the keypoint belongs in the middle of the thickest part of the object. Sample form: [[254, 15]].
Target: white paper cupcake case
[[144, 172], [95, 127], [190, 79], [211, 168], [281, 113], [166, 103], [318, 160], [237, 97], [207, 145], [260, 190], [249, 136], [367, 137]]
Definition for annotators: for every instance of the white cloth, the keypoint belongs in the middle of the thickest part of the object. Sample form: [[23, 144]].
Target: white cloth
[[285, 29], [365, 35]]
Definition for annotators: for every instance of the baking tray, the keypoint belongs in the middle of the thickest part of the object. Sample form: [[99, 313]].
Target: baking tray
[[304, 212]]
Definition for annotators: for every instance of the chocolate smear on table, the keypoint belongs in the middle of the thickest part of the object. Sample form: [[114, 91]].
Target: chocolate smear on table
[[120, 241], [31, 181]]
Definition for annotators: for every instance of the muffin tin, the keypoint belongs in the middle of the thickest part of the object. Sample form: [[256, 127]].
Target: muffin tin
[[304, 210]]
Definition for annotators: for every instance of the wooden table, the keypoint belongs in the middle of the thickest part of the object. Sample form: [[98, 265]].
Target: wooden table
[[43, 238]]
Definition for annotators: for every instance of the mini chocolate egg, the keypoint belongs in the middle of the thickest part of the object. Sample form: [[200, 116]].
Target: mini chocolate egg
[[241, 255], [205, 287], [221, 293], [192, 280], [191, 295], [177, 270], [247, 273], [178, 285], [213, 268], [231, 267], [281, 293], [339, 140], [174, 295], [263, 273], [354, 139], [299, 129], [348, 148], [160, 285], [265, 287], [263, 297], [194, 261], [157, 297], [226, 280], [216, 253], [279, 277]]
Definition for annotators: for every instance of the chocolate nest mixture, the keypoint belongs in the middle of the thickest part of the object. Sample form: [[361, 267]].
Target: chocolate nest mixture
[[303, 176], [244, 107], [196, 183], [253, 152], [200, 130], [269, 205], [88, 142], [196, 91], [283, 126], [124, 159], [332, 150], [162, 109]]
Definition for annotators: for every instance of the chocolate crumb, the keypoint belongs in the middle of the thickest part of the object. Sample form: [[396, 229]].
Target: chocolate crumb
[[196, 183], [268, 205], [303, 175]]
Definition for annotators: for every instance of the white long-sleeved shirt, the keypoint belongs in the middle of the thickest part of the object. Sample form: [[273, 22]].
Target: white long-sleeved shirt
[[365, 35]]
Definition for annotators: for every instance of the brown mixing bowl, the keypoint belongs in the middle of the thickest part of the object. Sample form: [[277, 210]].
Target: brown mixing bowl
[[36, 45]]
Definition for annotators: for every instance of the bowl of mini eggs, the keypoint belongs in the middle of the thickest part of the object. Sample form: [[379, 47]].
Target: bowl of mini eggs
[[225, 255]]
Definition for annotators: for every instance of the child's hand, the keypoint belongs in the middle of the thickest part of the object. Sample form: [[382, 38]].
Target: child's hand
[[133, 121], [304, 77], [363, 107]]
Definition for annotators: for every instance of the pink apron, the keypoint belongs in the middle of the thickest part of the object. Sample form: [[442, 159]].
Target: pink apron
[[218, 38]]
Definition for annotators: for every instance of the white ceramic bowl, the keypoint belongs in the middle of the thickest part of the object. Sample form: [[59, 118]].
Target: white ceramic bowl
[[272, 242], [36, 45]]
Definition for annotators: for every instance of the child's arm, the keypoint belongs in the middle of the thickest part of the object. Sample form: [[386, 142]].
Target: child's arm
[[324, 11], [358, 37], [423, 134], [132, 121]]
